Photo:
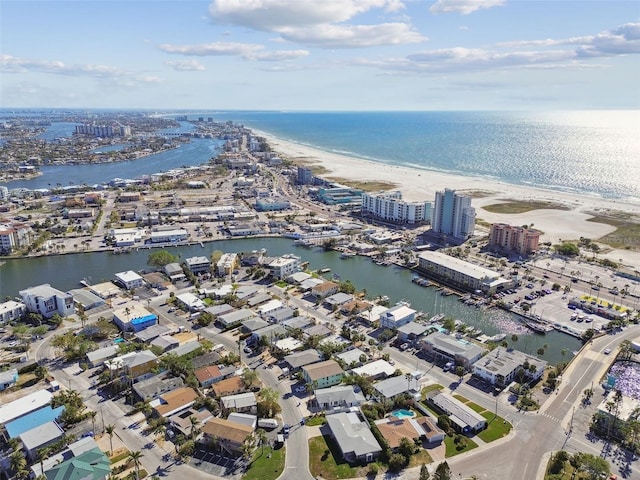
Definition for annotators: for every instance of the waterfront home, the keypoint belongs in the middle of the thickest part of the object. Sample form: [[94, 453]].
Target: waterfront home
[[398, 315], [227, 264], [129, 280], [323, 374], [284, 266], [500, 367], [12, 311], [86, 299], [174, 272], [411, 332], [325, 289], [226, 435], [198, 265], [338, 299], [353, 436], [47, 301]]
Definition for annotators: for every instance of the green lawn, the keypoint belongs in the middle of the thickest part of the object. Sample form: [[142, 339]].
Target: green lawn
[[419, 458], [325, 460], [497, 427], [430, 388], [315, 421], [265, 467], [452, 449]]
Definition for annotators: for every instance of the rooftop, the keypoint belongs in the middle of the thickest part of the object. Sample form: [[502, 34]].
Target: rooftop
[[324, 369], [466, 268], [24, 405]]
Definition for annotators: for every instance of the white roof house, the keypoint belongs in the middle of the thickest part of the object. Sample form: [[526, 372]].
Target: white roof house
[[354, 438], [378, 369], [398, 315], [129, 279], [191, 302], [24, 405]]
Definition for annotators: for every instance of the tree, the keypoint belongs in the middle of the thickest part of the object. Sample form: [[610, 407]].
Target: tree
[[597, 467], [19, 464], [443, 472], [460, 372], [193, 420], [261, 437], [161, 258], [135, 457], [110, 430], [249, 378], [424, 473], [406, 448], [397, 462]]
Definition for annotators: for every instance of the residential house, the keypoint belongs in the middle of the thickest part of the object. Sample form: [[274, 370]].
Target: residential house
[[209, 375], [244, 419], [229, 386], [12, 311], [353, 436], [24, 405], [154, 387], [190, 302], [353, 357], [394, 429], [151, 333], [40, 437], [411, 332], [48, 301], [129, 280], [174, 272], [463, 418], [284, 266], [180, 422], [396, 316], [227, 264], [240, 402], [280, 315], [198, 265], [375, 370], [98, 357], [325, 289], [91, 464], [337, 300], [297, 360], [174, 401], [135, 365], [393, 387], [323, 374], [432, 433], [234, 318], [8, 378], [228, 436], [339, 396], [43, 415]]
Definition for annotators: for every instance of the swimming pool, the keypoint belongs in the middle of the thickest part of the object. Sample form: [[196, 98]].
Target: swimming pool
[[403, 413]]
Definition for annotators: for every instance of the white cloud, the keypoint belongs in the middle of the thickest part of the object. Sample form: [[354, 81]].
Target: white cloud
[[465, 7], [318, 23], [11, 64], [186, 65], [349, 36], [248, 51]]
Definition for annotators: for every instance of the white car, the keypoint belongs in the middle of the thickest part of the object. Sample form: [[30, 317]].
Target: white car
[[301, 389], [607, 351]]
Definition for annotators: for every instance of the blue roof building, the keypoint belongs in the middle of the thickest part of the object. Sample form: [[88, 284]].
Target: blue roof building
[[33, 420]]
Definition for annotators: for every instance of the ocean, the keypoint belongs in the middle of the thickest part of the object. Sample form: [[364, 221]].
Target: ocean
[[587, 152]]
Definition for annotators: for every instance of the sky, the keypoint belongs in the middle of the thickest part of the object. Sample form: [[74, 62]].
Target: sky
[[320, 54]]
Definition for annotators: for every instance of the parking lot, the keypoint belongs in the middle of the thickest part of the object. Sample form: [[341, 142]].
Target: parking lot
[[216, 463]]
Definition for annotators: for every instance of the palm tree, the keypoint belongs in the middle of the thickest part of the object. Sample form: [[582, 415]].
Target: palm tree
[[135, 458], [261, 436], [194, 426], [110, 430]]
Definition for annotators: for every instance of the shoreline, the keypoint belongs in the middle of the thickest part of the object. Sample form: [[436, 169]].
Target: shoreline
[[417, 184]]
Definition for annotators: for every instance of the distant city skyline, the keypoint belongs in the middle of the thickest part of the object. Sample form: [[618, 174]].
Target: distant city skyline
[[321, 55]]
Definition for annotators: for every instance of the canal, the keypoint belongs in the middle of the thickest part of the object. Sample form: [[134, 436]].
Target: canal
[[66, 271]]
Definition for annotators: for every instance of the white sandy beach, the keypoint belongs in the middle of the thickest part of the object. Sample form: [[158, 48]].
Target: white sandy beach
[[417, 184]]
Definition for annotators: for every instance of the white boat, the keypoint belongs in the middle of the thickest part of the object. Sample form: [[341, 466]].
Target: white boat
[[347, 255]]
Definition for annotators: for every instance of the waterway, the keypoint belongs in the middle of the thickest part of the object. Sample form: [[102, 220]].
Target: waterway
[[66, 271]]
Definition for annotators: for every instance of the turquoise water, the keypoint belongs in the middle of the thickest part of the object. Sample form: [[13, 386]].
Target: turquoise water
[[402, 413]]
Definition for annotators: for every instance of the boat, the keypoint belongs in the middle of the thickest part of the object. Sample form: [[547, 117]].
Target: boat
[[324, 270], [497, 338], [536, 327], [436, 318], [344, 255]]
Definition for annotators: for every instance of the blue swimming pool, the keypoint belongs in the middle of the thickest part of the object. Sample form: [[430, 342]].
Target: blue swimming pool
[[403, 413]]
